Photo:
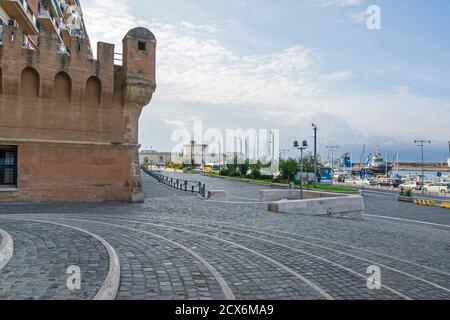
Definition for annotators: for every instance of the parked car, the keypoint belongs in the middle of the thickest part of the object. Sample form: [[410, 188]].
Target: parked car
[[369, 182], [389, 182], [439, 187], [410, 185]]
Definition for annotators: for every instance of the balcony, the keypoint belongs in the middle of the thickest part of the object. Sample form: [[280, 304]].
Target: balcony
[[55, 7], [65, 34], [47, 22], [19, 11]]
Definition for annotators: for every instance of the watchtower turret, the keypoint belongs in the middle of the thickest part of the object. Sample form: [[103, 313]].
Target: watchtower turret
[[139, 84]]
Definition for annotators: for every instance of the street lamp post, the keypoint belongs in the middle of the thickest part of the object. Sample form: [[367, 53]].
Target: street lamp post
[[421, 144], [220, 150], [301, 148], [315, 128]]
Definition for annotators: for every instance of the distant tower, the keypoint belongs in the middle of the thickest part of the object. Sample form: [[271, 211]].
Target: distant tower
[[139, 84]]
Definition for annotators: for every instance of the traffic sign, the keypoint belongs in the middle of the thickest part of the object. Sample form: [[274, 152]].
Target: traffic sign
[[363, 173], [439, 174]]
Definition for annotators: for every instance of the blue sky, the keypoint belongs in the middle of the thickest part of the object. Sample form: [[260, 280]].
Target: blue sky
[[284, 64]]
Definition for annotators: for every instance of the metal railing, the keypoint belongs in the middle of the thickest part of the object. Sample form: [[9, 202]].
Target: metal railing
[[179, 184]]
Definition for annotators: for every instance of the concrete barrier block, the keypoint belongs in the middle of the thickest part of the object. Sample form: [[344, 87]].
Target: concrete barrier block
[[277, 195], [218, 195], [351, 207]]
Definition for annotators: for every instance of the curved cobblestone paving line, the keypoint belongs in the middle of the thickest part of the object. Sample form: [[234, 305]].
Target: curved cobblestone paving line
[[265, 232], [110, 287], [6, 248], [220, 280], [364, 277], [277, 263], [341, 266], [315, 245], [404, 296], [250, 277], [290, 237]]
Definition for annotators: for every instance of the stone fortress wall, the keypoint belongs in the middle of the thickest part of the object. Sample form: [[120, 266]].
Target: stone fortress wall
[[73, 118]]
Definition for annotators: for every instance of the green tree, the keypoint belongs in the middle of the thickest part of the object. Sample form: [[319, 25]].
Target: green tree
[[289, 169], [308, 163]]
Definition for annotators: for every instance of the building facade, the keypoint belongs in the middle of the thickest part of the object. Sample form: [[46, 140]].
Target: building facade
[[154, 157], [69, 123], [64, 18]]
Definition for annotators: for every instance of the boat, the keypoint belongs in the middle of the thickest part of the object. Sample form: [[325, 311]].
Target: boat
[[376, 165]]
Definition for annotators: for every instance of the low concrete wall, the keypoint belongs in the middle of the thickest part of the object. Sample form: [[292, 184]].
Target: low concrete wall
[[351, 207], [218, 195], [276, 195]]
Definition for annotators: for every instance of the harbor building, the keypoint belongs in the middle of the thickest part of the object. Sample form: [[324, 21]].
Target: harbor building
[[69, 122]]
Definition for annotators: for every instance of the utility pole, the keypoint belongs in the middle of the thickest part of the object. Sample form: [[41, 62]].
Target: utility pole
[[192, 153], [421, 144], [220, 151], [332, 148], [315, 128]]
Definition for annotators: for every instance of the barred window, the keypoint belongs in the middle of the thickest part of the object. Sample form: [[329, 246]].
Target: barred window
[[8, 165]]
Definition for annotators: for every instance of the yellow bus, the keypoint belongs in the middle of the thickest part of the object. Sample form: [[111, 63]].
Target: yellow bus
[[211, 168]]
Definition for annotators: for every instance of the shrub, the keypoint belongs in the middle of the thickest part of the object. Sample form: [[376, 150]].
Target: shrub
[[289, 169]]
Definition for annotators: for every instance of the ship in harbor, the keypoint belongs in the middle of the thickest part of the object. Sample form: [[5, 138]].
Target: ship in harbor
[[377, 165]]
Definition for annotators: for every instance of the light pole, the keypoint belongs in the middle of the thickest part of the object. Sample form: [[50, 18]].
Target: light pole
[[315, 128], [301, 148], [421, 144], [220, 150], [240, 148]]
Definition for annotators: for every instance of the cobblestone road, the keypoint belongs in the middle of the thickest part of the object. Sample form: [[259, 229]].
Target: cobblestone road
[[178, 246]]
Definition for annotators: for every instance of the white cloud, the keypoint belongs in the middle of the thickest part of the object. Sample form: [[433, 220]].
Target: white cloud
[[197, 74], [359, 17], [341, 3], [341, 75]]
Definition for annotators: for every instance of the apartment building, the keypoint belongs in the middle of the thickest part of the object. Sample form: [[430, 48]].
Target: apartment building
[[61, 17]]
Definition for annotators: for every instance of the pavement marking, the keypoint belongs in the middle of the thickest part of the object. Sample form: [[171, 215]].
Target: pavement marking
[[406, 220], [220, 280], [110, 287], [6, 248], [282, 266], [395, 195]]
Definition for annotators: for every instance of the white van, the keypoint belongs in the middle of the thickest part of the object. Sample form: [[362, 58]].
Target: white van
[[438, 187]]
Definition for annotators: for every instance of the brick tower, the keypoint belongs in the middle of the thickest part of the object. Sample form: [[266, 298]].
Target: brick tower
[[69, 123]]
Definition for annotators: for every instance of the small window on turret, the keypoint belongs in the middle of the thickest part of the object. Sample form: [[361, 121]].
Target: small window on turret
[[141, 46]]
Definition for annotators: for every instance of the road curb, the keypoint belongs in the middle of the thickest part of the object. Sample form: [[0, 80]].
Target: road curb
[[6, 248], [427, 203], [445, 205]]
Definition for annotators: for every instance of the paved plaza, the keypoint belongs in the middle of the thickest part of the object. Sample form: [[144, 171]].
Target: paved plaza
[[179, 246]]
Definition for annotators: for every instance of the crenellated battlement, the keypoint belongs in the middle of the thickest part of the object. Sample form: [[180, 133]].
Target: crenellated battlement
[[79, 65]]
